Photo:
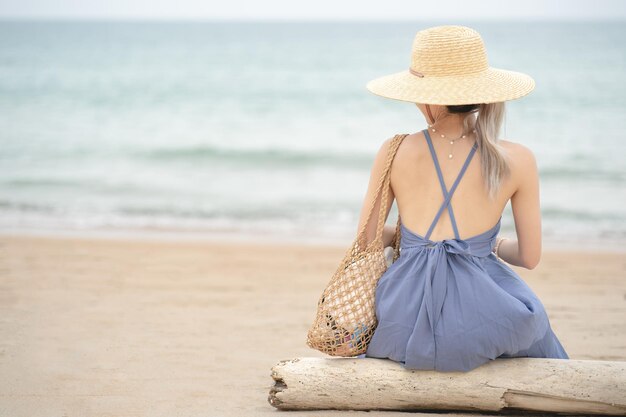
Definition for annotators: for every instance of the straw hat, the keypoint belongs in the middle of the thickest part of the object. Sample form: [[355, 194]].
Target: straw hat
[[449, 66]]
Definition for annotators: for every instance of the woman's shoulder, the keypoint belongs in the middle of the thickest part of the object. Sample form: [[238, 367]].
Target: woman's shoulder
[[514, 146], [519, 154], [407, 140]]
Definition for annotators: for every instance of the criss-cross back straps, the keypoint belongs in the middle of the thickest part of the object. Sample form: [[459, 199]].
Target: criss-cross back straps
[[447, 195]]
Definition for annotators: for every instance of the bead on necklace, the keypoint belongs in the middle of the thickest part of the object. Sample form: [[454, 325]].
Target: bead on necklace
[[451, 140]]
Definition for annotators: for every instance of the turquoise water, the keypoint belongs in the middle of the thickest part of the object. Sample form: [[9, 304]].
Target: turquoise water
[[251, 127]]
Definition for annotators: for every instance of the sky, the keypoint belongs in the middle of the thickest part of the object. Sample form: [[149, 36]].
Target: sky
[[314, 10]]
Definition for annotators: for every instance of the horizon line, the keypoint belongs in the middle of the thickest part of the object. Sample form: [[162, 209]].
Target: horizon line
[[305, 19]]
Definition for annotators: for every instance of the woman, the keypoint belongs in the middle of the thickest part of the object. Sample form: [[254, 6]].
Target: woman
[[450, 302]]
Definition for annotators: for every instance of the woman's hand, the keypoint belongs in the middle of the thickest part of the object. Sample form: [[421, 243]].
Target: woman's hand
[[508, 251]]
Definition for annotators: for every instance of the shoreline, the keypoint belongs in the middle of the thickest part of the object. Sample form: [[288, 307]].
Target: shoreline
[[235, 237]]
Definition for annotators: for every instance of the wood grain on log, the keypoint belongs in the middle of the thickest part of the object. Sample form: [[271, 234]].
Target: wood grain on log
[[532, 384]]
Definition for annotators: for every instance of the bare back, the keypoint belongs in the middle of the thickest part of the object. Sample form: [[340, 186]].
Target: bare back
[[416, 186], [419, 196]]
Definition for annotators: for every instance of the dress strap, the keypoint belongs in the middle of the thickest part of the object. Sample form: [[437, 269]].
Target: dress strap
[[447, 195]]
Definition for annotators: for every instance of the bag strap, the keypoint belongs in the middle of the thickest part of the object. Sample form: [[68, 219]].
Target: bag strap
[[383, 187], [396, 241]]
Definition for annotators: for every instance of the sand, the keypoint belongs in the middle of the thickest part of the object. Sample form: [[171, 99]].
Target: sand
[[136, 327]]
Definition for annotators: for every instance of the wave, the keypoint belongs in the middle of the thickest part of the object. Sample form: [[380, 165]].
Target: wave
[[285, 157], [586, 174], [561, 213], [18, 206]]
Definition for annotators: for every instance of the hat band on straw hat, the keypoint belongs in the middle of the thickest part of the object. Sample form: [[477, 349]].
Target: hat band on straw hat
[[419, 74]]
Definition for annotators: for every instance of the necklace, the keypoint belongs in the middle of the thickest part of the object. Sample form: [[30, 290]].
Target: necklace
[[451, 140]]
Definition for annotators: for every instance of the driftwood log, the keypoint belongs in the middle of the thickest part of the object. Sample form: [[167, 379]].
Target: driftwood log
[[587, 387]]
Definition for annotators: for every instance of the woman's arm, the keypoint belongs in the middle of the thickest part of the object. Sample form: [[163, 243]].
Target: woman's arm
[[526, 250], [377, 170], [389, 233], [508, 251]]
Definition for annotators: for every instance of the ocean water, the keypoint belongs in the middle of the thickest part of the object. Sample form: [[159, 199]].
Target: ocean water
[[241, 128]]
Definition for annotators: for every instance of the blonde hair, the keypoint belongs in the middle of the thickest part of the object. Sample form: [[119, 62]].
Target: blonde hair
[[487, 123]]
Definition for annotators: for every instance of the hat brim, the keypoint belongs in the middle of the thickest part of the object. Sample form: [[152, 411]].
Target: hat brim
[[489, 86]]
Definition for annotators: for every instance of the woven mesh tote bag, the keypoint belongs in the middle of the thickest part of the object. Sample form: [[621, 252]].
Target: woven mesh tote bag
[[346, 311]]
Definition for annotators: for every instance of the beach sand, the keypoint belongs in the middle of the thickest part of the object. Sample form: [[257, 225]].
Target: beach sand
[[112, 327]]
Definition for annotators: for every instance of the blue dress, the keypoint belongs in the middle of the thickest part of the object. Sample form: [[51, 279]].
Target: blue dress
[[451, 305]]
